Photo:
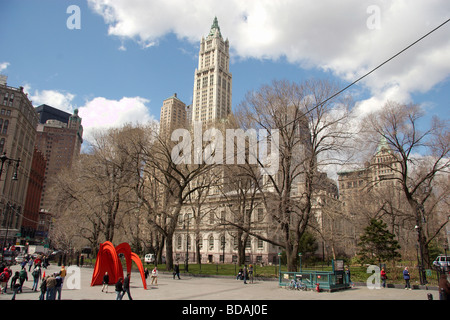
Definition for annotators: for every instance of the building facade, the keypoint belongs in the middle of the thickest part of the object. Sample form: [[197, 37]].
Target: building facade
[[60, 143], [173, 115], [30, 220], [213, 80], [18, 121]]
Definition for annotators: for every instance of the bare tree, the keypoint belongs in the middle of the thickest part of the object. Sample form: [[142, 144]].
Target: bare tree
[[312, 132], [421, 157]]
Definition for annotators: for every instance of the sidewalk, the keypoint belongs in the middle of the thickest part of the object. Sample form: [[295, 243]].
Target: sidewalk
[[212, 288]]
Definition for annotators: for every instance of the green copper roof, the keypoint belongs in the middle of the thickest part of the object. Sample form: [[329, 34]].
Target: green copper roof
[[214, 27]]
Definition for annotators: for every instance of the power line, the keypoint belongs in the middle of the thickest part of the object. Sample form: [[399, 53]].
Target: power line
[[374, 69]]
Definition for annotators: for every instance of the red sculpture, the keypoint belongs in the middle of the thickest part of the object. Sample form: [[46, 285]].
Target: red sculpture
[[108, 261]]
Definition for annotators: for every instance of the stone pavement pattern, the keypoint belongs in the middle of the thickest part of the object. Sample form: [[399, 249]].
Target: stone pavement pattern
[[212, 288]]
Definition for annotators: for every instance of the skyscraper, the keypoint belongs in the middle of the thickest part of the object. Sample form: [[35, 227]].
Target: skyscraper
[[213, 80], [173, 115]]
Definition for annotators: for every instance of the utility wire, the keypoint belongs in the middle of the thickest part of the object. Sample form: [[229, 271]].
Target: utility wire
[[373, 70]]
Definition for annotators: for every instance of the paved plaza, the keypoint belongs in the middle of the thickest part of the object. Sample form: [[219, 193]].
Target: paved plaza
[[212, 288]]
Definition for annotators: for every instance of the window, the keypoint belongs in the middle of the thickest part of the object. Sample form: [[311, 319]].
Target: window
[[179, 241], [5, 127], [2, 145], [211, 242]]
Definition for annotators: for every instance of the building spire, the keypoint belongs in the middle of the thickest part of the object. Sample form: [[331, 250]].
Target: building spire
[[214, 27]]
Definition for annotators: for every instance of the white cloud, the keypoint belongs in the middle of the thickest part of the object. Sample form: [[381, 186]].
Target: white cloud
[[331, 35], [101, 113], [98, 113], [4, 66], [57, 99]]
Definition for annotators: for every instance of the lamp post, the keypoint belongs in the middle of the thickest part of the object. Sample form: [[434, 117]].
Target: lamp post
[[300, 258], [10, 207], [186, 265]]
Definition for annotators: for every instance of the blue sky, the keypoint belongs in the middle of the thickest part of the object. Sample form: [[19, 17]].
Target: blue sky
[[128, 56]]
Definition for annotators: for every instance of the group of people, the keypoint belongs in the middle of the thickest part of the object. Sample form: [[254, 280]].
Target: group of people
[[122, 286], [245, 274], [51, 285], [444, 285]]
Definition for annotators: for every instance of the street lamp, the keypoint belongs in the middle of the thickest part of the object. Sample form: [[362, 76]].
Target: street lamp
[[10, 207], [300, 258], [186, 265]]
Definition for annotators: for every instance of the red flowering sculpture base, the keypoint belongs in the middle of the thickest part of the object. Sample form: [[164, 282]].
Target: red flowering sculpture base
[[108, 261]]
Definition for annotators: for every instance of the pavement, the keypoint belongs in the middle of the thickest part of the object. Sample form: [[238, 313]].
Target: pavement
[[208, 288]]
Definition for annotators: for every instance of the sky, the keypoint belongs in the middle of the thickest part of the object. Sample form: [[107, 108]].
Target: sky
[[117, 60]]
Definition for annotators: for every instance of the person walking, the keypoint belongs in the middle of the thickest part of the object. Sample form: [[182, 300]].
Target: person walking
[[23, 276], [383, 277], [43, 288], [407, 278], [62, 274], [176, 271], [126, 286], [14, 285], [51, 284], [58, 286], [4, 277], [36, 275], [119, 289], [444, 288], [30, 264], [105, 282], [155, 276], [245, 274]]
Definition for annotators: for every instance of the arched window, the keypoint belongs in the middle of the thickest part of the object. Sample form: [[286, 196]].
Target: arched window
[[211, 242], [179, 242]]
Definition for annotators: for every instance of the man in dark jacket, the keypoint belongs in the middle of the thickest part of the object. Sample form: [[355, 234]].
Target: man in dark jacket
[[126, 286], [119, 289]]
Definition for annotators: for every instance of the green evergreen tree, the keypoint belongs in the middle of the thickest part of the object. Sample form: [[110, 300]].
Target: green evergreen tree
[[377, 243]]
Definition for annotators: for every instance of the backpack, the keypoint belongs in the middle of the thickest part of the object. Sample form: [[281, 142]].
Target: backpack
[[3, 277]]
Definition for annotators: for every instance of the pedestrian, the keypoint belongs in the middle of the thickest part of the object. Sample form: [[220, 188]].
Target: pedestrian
[[119, 289], [176, 271], [240, 274], [250, 272], [444, 288], [146, 273], [155, 276], [51, 284], [383, 277], [4, 277], [30, 264], [43, 288], [407, 278], [245, 274], [349, 277], [126, 286], [23, 276], [14, 285], [23, 264], [36, 275], [58, 286], [105, 282], [62, 274]]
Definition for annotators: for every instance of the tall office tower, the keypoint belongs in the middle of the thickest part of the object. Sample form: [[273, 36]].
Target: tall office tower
[[173, 115], [212, 83], [60, 143], [18, 122]]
